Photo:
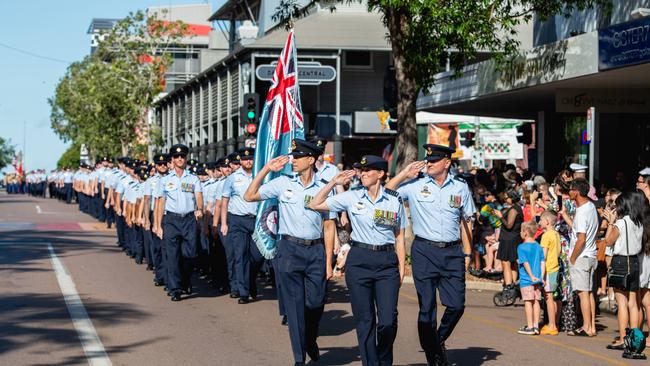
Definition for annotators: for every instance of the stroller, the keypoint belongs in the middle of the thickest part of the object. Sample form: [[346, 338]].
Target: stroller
[[508, 296]]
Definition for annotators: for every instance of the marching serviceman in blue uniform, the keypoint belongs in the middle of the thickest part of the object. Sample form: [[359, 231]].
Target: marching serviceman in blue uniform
[[441, 211], [238, 224], [150, 190], [224, 167], [180, 206], [304, 258], [375, 263]]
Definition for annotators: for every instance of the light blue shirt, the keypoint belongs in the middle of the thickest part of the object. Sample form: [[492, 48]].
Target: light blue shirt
[[121, 184], [327, 172], [372, 222], [67, 177], [150, 188], [436, 210], [295, 219], [234, 188], [178, 192], [131, 192], [208, 191]]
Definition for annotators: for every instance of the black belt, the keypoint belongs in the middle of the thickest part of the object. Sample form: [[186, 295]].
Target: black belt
[[249, 216], [374, 248], [304, 242], [437, 244], [180, 216]]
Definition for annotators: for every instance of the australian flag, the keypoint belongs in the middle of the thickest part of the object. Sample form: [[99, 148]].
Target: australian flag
[[281, 122]]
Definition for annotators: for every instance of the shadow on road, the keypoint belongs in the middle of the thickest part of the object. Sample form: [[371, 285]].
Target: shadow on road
[[23, 316]]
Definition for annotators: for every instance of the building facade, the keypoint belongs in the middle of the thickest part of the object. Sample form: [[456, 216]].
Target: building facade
[[350, 43], [593, 59]]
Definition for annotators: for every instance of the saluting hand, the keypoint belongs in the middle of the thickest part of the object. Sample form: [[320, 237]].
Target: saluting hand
[[276, 164], [413, 170], [344, 177]]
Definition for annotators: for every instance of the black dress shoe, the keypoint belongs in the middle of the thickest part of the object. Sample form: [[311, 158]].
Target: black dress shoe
[[158, 283], [149, 267], [187, 290], [176, 297], [138, 261], [243, 300], [299, 364], [313, 352], [234, 295], [617, 347], [285, 321]]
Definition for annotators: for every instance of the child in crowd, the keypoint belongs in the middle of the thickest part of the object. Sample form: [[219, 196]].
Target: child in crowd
[[551, 246], [491, 241], [532, 267]]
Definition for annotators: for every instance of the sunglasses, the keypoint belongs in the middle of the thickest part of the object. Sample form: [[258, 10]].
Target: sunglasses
[[179, 156]]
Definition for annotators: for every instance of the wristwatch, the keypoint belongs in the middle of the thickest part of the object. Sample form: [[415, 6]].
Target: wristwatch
[[467, 255]]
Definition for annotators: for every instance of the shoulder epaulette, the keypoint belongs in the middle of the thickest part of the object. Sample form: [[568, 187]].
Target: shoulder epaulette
[[324, 181], [356, 188], [391, 192], [287, 175], [394, 194], [460, 179]]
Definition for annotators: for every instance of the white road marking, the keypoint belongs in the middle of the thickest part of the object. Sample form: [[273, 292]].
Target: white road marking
[[38, 209], [92, 345]]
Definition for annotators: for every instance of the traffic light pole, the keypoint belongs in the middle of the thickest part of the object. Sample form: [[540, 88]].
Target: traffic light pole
[[337, 139]]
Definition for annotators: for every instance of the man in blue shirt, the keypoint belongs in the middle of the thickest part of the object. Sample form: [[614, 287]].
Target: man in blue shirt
[[158, 252], [240, 215], [303, 265], [441, 208], [180, 206]]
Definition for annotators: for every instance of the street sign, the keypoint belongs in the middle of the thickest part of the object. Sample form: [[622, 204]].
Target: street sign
[[309, 73]]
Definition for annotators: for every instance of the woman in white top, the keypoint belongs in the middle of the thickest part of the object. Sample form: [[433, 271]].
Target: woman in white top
[[643, 207], [625, 235]]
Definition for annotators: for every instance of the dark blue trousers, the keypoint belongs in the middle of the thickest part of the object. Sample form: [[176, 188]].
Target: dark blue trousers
[[301, 270], [138, 243], [248, 259], [438, 269], [159, 255], [68, 192], [373, 283], [278, 285], [147, 241], [229, 250], [119, 225], [179, 239]]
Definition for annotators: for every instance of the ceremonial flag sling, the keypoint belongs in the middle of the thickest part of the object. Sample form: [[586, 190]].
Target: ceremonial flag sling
[[281, 122]]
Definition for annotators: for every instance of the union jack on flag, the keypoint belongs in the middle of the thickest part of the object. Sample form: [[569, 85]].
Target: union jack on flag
[[281, 121]]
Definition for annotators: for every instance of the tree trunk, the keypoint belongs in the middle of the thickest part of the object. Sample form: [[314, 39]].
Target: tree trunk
[[407, 92]]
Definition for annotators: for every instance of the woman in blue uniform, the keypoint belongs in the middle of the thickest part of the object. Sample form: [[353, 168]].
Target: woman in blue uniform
[[375, 263]]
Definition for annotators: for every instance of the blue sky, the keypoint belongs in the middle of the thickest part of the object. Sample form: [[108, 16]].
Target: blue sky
[[55, 29]]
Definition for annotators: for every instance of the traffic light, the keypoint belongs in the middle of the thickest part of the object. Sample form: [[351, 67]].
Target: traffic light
[[249, 112], [525, 134], [467, 138]]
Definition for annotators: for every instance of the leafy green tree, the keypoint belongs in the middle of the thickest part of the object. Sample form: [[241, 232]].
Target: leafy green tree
[[103, 100], [70, 158], [6, 153], [426, 34]]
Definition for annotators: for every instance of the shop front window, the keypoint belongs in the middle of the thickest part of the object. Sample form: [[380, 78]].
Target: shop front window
[[575, 148]]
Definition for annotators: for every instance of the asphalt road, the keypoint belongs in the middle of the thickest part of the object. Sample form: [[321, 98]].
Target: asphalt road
[[45, 246]]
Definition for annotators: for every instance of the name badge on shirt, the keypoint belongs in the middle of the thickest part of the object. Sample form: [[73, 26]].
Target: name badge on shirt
[[360, 206], [455, 201], [187, 187], [425, 192], [170, 186], [288, 194], [385, 218], [239, 181]]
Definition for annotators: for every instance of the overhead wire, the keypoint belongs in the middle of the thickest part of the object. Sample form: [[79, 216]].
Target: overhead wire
[[29, 53]]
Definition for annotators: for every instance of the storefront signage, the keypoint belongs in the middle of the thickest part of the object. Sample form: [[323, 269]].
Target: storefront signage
[[309, 73], [604, 100], [624, 44]]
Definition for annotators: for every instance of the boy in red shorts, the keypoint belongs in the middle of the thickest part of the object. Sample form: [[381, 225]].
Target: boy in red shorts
[[530, 257]]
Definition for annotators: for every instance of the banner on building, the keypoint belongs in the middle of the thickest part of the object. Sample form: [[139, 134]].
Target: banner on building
[[497, 141]]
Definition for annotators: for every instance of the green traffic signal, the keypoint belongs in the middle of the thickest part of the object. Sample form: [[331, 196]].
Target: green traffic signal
[[251, 115]]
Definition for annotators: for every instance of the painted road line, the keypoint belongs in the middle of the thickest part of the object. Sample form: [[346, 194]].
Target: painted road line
[[512, 330], [92, 345], [38, 209]]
